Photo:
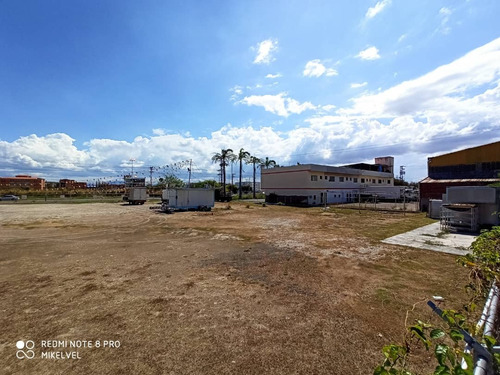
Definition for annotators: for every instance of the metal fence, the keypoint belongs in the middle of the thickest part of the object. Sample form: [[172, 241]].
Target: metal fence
[[380, 206]]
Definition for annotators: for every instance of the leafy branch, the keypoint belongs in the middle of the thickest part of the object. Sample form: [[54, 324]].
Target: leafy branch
[[447, 340]]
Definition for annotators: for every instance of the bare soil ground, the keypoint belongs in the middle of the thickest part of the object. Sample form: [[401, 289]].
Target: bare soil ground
[[246, 290]]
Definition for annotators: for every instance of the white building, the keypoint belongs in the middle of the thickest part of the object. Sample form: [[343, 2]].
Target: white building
[[311, 184]]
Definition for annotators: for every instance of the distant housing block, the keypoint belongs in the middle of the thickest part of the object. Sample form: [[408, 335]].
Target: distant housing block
[[22, 182], [72, 184]]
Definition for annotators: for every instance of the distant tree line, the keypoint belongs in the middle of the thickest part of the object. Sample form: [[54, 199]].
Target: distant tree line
[[227, 156]]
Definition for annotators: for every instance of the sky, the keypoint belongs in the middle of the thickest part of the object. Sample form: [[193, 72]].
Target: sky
[[86, 86]]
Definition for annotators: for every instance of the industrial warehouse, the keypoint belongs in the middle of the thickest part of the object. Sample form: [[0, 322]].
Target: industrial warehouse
[[476, 166]]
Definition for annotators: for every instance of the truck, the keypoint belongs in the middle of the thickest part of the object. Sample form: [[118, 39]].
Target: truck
[[183, 199], [135, 190]]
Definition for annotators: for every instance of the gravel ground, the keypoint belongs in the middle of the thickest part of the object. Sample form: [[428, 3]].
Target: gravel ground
[[244, 289]]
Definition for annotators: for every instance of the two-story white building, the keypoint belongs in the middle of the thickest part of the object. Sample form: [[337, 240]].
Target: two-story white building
[[312, 184]]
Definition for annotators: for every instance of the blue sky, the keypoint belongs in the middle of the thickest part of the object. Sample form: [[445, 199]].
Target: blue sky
[[87, 85]]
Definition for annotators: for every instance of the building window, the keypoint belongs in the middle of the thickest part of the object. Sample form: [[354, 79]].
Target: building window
[[332, 178], [341, 179], [355, 179], [320, 177], [388, 181], [314, 178], [362, 180], [379, 181]]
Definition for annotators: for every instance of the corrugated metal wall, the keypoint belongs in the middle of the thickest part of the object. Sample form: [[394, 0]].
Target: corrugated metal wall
[[465, 171], [481, 154]]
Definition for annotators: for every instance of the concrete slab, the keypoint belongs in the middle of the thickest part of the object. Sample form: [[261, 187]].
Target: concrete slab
[[430, 237]]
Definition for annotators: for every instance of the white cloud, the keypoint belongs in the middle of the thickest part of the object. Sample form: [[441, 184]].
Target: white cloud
[[402, 37], [315, 68], [379, 6], [370, 53], [273, 76], [443, 90], [159, 131], [445, 14], [236, 92], [265, 49], [46, 152], [358, 85], [278, 104], [328, 107]]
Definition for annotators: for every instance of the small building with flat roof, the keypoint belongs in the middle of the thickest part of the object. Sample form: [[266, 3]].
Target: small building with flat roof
[[314, 184]]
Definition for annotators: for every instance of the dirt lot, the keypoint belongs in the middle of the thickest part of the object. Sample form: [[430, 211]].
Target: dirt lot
[[246, 290]]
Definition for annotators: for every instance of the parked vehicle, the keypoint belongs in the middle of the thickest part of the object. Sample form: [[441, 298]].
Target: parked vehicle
[[136, 195], [135, 190], [9, 197]]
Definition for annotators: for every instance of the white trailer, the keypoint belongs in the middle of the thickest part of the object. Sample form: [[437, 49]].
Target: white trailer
[[135, 190], [136, 195], [188, 199]]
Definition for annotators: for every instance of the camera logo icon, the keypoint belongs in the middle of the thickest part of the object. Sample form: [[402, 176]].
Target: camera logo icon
[[25, 349]]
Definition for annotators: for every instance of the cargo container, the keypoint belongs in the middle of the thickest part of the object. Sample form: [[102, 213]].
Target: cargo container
[[135, 190], [135, 195], [188, 199]]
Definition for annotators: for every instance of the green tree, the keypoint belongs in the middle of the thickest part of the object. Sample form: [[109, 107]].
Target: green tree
[[223, 158], [204, 183], [268, 163], [255, 161], [243, 156], [171, 181]]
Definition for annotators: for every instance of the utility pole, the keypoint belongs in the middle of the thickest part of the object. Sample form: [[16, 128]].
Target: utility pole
[[151, 176], [132, 160], [189, 170], [402, 172], [232, 174]]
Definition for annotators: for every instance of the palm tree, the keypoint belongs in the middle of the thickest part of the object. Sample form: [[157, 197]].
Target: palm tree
[[242, 157], [268, 163], [225, 156], [255, 161]]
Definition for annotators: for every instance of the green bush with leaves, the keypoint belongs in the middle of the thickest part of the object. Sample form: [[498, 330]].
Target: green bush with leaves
[[447, 339]]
